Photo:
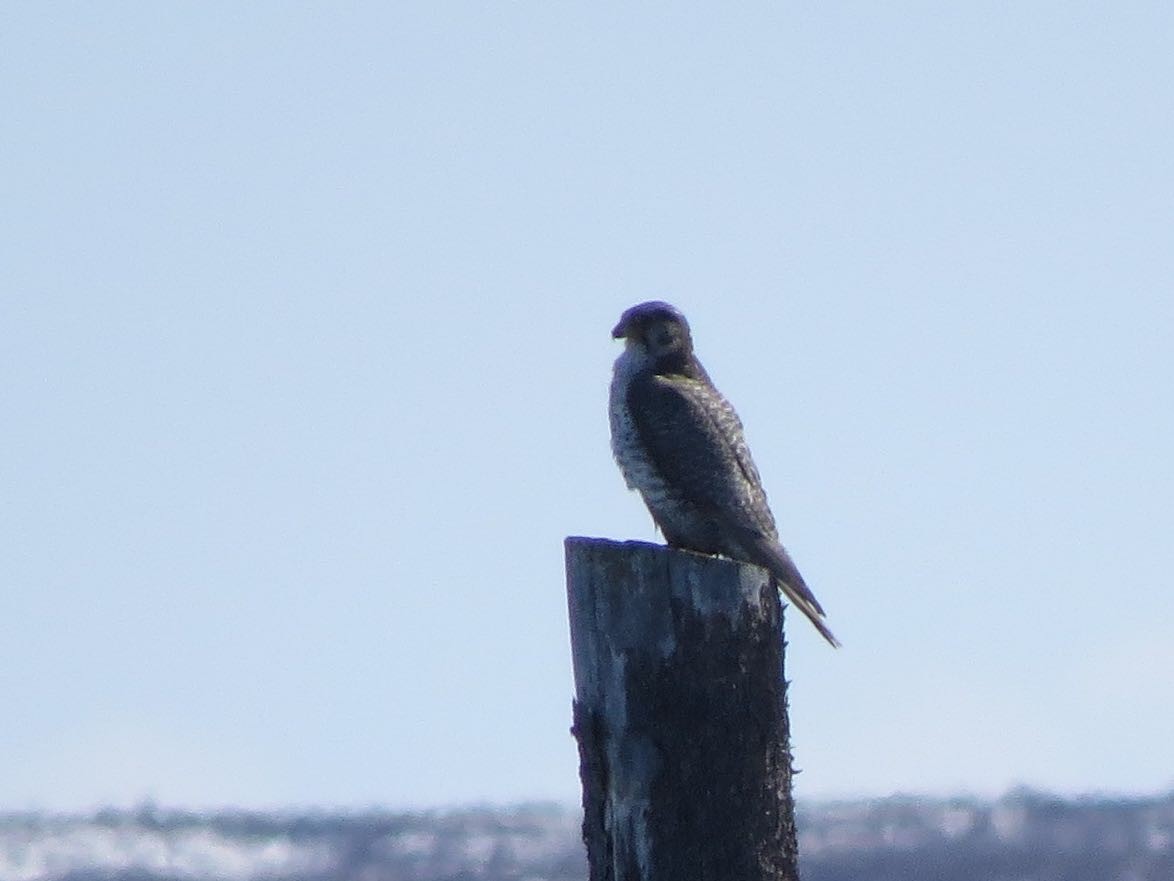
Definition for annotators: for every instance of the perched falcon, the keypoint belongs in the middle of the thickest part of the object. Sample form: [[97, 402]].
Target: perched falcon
[[679, 442]]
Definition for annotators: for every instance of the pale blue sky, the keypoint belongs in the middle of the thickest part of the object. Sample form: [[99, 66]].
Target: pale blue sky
[[304, 318]]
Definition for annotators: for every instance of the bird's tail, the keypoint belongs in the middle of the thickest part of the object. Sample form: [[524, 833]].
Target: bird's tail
[[816, 618], [775, 558]]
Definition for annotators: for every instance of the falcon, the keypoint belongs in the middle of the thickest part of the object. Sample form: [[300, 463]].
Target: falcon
[[679, 442]]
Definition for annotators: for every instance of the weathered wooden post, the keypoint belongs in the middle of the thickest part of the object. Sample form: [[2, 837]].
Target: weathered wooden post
[[680, 714]]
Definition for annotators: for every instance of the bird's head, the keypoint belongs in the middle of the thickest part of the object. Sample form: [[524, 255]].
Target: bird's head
[[659, 331]]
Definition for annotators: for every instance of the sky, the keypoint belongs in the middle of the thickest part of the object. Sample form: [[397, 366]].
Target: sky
[[304, 355]]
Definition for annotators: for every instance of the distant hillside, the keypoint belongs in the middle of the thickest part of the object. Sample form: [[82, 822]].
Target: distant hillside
[[1023, 836]]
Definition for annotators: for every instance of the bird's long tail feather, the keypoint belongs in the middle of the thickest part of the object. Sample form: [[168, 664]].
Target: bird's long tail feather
[[813, 616], [774, 557]]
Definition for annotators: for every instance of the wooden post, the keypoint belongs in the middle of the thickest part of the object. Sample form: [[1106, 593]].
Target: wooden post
[[681, 715]]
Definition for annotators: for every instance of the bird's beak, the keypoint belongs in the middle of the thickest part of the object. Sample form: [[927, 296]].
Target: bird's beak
[[619, 331]]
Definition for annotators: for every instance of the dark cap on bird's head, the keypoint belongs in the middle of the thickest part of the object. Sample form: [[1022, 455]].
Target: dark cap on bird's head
[[640, 316], [660, 333]]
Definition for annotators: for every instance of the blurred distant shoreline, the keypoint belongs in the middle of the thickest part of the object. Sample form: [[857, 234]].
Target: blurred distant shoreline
[[1024, 834]]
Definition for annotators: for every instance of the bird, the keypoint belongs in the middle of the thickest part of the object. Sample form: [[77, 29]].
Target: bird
[[680, 444]]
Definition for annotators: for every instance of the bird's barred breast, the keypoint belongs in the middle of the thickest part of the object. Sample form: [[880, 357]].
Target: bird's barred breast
[[625, 442], [626, 446]]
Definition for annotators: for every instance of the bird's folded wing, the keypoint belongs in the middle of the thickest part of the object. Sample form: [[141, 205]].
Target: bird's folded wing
[[694, 439]]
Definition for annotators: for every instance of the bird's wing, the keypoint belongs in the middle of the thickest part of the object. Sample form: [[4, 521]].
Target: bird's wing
[[694, 439]]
